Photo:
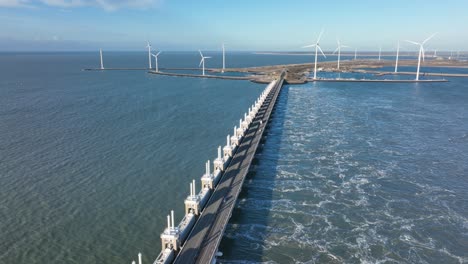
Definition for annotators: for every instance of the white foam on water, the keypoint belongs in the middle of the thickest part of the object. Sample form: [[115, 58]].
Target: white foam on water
[[336, 194]]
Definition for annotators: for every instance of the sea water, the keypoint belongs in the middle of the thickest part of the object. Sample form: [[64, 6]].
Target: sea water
[[358, 173], [91, 162]]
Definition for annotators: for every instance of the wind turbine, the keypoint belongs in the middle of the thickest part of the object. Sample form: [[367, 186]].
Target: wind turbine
[[317, 48], [224, 59], [148, 45], [355, 53], [380, 51], [339, 51], [102, 63], [397, 53], [202, 61], [435, 54], [421, 52], [156, 60]]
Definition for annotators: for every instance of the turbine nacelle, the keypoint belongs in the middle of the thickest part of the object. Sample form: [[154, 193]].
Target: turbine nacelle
[[339, 51], [202, 61], [421, 51], [202, 58], [317, 48], [340, 46], [155, 55]]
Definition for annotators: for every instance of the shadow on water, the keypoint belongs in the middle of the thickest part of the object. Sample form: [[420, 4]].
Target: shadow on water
[[245, 236]]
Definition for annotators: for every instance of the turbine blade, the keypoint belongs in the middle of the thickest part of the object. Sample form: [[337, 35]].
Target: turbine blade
[[308, 46], [412, 42], [201, 61], [320, 36], [336, 50], [422, 51], [426, 40], [157, 54], [201, 54], [318, 46], [207, 57], [344, 46]]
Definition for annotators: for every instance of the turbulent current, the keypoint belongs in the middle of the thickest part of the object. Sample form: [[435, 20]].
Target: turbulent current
[[358, 173]]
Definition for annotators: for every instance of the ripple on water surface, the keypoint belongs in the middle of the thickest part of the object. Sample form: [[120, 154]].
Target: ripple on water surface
[[358, 174]]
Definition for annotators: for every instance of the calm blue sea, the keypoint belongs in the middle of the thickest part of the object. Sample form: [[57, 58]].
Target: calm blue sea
[[91, 162]]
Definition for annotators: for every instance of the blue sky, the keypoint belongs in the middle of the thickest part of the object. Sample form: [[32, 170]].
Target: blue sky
[[48, 25]]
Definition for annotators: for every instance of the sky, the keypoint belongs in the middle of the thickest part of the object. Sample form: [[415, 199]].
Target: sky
[[244, 25]]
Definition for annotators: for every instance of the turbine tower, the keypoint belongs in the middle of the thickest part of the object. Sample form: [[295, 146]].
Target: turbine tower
[[148, 45], [380, 51], [224, 59], [421, 52], [355, 53], [202, 61], [156, 60], [100, 55], [397, 53], [339, 51], [317, 48]]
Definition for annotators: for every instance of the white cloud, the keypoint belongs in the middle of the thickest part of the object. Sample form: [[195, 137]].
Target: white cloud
[[64, 3], [14, 3], [108, 5], [111, 5]]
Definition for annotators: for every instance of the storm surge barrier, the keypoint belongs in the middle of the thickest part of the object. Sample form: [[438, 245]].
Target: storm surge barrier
[[196, 238]]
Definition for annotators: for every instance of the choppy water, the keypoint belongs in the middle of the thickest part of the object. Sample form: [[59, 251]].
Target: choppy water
[[359, 173], [91, 162]]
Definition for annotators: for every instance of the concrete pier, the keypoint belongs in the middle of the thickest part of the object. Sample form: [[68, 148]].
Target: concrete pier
[[197, 236], [202, 76], [376, 81], [202, 243], [439, 74]]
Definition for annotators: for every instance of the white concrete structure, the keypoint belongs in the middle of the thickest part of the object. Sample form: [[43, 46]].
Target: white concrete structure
[[240, 129], [195, 203], [228, 150], [170, 236], [245, 123], [210, 180], [219, 163], [235, 139], [173, 236], [165, 257]]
